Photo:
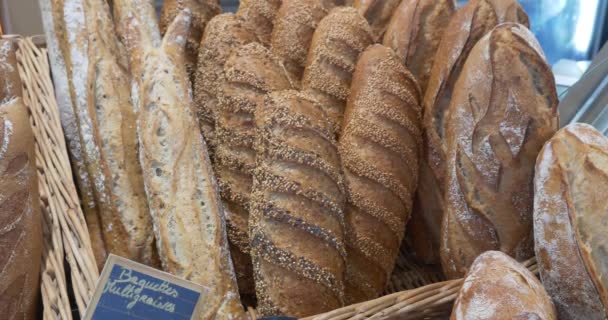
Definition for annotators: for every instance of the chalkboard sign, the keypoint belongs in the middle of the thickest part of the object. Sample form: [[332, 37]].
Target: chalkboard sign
[[129, 290]]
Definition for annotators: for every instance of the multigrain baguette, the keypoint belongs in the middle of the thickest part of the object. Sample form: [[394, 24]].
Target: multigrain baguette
[[294, 26], [336, 44], [250, 72], [503, 110], [570, 214], [380, 146], [296, 223], [414, 32], [259, 15], [188, 217], [223, 34], [465, 28], [378, 13]]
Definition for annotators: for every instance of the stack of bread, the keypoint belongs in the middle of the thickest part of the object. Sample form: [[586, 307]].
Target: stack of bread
[[318, 136]]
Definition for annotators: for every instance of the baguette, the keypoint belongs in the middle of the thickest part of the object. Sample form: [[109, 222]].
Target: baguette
[[250, 73], [259, 15], [336, 44], [414, 33], [378, 13], [503, 110], [570, 221], [223, 34], [296, 223], [20, 219], [380, 146], [294, 26], [465, 28]]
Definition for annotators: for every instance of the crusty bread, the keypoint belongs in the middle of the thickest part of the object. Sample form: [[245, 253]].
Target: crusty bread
[[414, 32], [380, 146], [184, 201], [223, 34], [378, 13], [570, 214], [296, 223], [250, 72], [294, 26], [20, 219], [10, 82], [503, 109], [465, 28], [336, 44], [497, 287], [259, 15], [202, 11]]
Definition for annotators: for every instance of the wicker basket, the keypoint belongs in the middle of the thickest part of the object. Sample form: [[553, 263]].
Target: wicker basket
[[414, 292]]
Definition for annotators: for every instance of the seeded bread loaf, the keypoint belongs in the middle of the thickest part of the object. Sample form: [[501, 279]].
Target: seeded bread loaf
[[497, 287], [414, 32], [570, 214], [259, 15], [294, 26], [250, 73], [378, 13], [503, 110], [380, 146], [20, 219], [336, 44], [223, 34], [296, 223], [466, 27]]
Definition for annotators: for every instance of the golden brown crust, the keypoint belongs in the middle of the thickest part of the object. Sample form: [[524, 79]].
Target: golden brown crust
[[414, 32], [465, 28], [379, 146], [569, 217], [497, 287], [336, 44], [503, 110], [259, 15], [296, 222]]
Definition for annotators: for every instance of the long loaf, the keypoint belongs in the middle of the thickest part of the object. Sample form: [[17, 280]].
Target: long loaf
[[380, 146], [378, 13], [296, 223]]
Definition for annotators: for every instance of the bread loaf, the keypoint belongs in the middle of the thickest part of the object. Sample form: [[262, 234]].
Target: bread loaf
[[10, 82], [182, 192], [20, 220], [570, 212], [414, 32], [378, 13], [259, 15], [503, 109], [296, 223], [223, 34], [294, 26], [202, 11], [250, 73], [336, 44], [465, 28], [497, 287], [380, 149]]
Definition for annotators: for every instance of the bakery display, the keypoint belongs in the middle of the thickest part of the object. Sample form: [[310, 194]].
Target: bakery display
[[497, 287], [493, 139], [570, 221], [380, 146]]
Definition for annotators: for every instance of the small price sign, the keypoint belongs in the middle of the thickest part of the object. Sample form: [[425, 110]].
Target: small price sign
[[130, 290]]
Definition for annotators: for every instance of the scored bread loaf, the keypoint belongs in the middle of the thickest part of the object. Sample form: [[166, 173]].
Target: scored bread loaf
[[296, 222], [466, 27], [259, 15], [223, 34], [20, 219], [570, 214], [182, 192], [498, 287], [380, 147], [378, 13], [294, 26], [250, 72], [202, 11], [503, 109], [414, 32], [336, 44]]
